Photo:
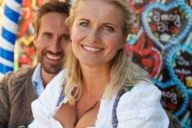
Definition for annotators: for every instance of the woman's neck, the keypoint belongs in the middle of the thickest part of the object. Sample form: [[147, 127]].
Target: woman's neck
[[95, 78]]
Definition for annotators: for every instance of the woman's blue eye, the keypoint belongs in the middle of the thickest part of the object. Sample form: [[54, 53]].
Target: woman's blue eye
[[47, 35], [109, 28]]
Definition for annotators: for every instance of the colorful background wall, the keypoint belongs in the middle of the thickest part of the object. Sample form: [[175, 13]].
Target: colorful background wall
[[160, 42]]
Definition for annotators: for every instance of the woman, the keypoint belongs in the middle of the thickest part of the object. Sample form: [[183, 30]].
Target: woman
[[96, 70]]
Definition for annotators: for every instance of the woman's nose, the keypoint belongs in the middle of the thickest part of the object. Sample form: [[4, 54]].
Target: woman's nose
[[93, 35]]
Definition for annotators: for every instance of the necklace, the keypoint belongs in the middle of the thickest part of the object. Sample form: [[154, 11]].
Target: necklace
[[89, 109], [93, 106]]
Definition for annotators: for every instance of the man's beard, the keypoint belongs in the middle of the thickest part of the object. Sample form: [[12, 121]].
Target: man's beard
[[51, 68]]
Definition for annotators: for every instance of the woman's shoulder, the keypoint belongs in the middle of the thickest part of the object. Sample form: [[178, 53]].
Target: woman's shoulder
[[142, 104], [143, 89], [144, 96]]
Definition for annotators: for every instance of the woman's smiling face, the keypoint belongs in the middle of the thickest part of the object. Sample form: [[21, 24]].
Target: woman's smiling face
[[97, 32]]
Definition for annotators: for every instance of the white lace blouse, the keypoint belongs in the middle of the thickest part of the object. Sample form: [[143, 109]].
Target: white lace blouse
[[138, 108]]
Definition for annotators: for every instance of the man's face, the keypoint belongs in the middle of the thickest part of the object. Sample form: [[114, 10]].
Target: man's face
[[51, 41]]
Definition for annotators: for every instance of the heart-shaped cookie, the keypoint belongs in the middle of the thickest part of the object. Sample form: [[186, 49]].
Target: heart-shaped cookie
[[167, 24], [173, 98], [179, 64], [145, 55]]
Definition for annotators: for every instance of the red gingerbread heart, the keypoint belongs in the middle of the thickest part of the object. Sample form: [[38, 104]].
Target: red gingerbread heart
[[145, 55]]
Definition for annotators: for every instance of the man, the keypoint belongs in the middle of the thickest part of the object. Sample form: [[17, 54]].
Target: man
[[19, 89]]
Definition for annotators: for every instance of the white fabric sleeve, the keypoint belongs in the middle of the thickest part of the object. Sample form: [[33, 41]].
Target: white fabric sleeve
[[45, 107], [141, 108]]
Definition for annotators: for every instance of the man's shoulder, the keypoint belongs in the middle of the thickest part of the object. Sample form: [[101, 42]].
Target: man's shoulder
[[17, 93], [17, 77], [23, 72]]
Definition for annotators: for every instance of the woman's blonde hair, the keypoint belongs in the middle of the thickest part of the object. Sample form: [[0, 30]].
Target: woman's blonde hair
[[122, 70]]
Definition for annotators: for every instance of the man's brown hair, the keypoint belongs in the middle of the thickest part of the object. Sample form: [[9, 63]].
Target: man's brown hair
[[51, 7]]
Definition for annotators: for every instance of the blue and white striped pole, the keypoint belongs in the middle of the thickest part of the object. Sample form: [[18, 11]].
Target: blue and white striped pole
[[9, 29]]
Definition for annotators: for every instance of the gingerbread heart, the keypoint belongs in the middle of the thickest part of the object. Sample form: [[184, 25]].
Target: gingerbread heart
[[145, 55], [173, 99], [179, 64], [137, 7], [167, 24]]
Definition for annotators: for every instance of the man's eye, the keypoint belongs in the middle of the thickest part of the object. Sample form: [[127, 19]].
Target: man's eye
[[65, 38], [83, 24]]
